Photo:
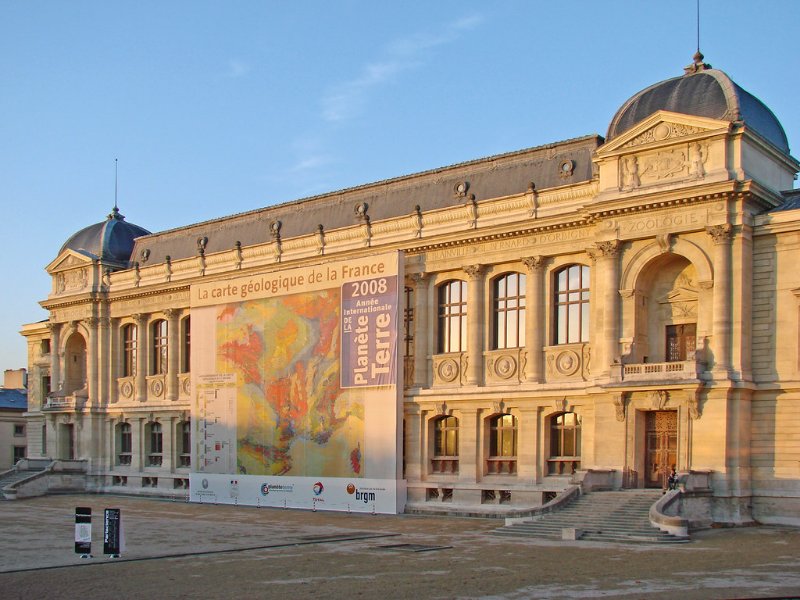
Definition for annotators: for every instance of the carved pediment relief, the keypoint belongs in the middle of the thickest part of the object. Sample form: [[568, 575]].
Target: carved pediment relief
[[681, 300], [662, 127], [67, 260], [663, 131]]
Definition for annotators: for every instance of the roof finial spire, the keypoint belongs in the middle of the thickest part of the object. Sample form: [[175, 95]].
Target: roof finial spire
[[116, 172], [114, 214], [697, 60]]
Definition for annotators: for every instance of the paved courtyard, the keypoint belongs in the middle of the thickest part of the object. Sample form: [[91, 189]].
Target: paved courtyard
[[179, 550]]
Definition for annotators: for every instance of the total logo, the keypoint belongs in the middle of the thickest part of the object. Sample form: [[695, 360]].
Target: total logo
[[365, 497], [264, 489], [318, 488]]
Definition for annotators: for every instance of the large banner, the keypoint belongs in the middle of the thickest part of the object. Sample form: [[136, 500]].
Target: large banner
[[297, 385]]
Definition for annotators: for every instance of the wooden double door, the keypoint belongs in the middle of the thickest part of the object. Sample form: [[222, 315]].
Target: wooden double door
[[661, 446]]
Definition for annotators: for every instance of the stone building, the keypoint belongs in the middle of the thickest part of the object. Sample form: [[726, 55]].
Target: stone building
[[593, 311]]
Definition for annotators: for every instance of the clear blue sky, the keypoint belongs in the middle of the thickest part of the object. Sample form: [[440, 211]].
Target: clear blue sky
[[220, 107]]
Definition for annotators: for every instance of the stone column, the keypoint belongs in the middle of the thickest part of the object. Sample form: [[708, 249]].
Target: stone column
[[475, 324], [172, 353], [55, 355], [421, 330], [141, 357], [534, 317], [91, 361], [721, 323], [607, 257]]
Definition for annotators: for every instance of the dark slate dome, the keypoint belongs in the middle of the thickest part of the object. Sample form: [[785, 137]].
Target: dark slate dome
[[110, 240], [703, 92]]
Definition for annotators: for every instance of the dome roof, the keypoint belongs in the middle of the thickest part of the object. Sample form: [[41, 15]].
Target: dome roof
[[703, 92], [110, 240]]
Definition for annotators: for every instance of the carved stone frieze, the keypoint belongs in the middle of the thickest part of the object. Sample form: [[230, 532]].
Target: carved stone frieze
[[568, 362], [447, 369], [620, 404], [661, 132], [503, 367], [659, 399]]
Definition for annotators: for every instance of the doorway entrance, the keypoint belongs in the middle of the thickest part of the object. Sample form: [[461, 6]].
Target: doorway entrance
[[661, 449]]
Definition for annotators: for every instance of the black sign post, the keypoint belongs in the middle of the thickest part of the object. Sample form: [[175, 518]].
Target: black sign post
[[83, 531], [112, 532]]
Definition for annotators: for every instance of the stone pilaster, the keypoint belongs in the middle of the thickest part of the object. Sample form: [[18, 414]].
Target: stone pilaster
[[475, 323], [421, 332], [721, 323], [606, 255], [534, 318], [55, 356], [142, 347], [172, 353], [92, 324]]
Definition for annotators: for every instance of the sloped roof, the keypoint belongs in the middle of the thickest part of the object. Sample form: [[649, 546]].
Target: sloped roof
[[11, 399]]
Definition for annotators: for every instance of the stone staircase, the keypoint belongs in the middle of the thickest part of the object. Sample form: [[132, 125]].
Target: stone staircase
[[621, 516], [18, 474]]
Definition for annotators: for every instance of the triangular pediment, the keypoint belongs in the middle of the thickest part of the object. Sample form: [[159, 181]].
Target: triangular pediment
[[69, 259], [662, 127]]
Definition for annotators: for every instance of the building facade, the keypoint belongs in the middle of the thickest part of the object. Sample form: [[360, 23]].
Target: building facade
[[13, 405], [594, 311]]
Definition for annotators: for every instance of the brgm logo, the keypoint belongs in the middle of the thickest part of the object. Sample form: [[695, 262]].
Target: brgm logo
[[205, 484], [318, 488], [264, 489], [365, 497]]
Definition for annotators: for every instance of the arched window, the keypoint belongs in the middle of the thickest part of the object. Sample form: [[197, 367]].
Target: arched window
[[565, 443], [160, 347], [502, 444], [453, 316], [445, 445], [186, 354], [184, 438], [508, 295], [129, 350], [155, 445], [124, 444], [572, 305]]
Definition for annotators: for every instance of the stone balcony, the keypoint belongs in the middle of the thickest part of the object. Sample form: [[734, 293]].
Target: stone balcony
[[59, 402], [663, 371]]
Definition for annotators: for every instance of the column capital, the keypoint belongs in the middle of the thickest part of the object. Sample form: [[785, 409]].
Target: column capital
[[721, 234], [534, 263], [607, 249], [474, 271], [418, 278], [171, 313], [140, 318]]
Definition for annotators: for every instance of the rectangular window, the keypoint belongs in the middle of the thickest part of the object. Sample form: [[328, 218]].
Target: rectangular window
[[509, 311], [159, 365], [129, 350], [186, 338], [681, 342], [19, 430], [453, 316]]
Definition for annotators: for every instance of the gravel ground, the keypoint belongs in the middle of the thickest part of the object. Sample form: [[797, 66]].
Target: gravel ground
[[179, 550]]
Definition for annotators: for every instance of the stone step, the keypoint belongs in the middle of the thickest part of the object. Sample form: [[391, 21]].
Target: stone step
[[600, 516]]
